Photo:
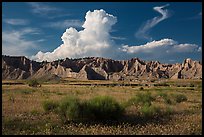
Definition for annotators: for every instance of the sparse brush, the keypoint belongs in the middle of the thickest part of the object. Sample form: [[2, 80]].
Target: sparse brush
[[33, 83], [169, 110], [166, 98], [142, 98], [150, 111], [180, 98], [50, 105]]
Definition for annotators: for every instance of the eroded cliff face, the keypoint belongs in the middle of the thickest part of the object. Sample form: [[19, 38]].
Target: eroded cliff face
[[96, 68]]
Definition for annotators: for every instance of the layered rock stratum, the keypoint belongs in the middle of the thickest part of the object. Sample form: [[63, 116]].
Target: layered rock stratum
[[97, 68]]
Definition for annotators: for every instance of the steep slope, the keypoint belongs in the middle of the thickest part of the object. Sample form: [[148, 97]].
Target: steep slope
[[18, 67]]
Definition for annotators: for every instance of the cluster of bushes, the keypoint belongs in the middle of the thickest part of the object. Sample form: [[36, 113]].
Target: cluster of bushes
[[144, 100], [105, 108], [97, 108], [177, 98]]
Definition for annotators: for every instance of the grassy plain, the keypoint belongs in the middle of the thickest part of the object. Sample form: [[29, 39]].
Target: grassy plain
[[23, 113]]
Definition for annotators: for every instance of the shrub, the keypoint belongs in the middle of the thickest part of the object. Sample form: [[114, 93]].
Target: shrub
[[105, 108], [169, 111], [33, 83], [98, 108], [141, 88], [180, 98], [143, 98], [150, 111], [166, 98], [191, 85], [69, 109], [168, 101], [49, 106]]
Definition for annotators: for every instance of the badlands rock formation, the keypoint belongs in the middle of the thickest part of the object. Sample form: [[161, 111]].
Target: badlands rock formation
[[96, 68]]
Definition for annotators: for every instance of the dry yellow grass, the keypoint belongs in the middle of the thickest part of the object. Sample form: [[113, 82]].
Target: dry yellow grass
[[25, 103]]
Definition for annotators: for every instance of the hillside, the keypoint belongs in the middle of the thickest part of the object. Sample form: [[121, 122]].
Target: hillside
[[97, 68]]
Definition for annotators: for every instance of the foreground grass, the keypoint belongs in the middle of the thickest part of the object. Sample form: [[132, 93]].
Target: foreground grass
[[23, 113]]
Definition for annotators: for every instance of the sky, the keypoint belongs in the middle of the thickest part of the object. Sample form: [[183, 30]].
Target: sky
[[165, 31]]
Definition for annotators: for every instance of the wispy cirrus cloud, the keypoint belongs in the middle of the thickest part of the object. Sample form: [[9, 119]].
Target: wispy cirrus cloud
[[118, 38], [42, 8], [143, 32], [197, 16], [15, 42], [64, 24], [200, 14], [16, 21]]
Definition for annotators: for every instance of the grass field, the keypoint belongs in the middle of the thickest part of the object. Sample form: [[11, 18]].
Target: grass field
[[23, 113]]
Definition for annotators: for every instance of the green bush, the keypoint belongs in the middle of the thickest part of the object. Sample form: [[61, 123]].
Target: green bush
[[143, 98], [166, 98], [150, 111], [50, 105], [98, 108], [180, 98], [169, 111], [69, 109], [105, 108], [33, 83]]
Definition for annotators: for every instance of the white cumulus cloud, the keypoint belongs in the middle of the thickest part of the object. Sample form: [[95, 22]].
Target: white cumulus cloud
[[93, 40], [163, 46]]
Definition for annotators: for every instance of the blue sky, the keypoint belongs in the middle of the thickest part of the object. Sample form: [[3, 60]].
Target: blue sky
[[141, 31]]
